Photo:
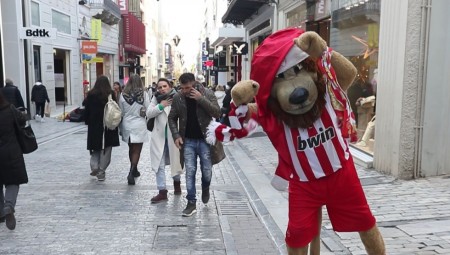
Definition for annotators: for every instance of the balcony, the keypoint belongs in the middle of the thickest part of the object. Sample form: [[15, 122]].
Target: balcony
[[105, 10], [240, 10]]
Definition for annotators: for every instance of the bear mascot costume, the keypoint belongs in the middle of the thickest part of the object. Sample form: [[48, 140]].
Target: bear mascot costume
[[301, 104]]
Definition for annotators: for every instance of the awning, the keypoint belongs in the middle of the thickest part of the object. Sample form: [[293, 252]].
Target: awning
[[226, 35], [240, 10], [133, 34]]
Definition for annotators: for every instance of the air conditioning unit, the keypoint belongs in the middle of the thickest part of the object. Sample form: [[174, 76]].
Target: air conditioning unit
[[160, 66]]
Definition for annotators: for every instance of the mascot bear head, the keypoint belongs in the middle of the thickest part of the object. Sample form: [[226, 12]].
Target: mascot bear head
[[291, 86]]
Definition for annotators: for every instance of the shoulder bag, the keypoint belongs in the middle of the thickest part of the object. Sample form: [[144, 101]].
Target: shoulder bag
[[25, 135]]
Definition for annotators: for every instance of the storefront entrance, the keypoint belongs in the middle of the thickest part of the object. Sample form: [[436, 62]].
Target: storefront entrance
[[61, 73]]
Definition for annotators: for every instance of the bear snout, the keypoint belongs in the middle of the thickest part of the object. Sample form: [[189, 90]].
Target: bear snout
[[298, 96]]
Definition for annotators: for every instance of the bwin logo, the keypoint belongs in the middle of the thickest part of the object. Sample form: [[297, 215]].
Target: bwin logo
[[316, 140]]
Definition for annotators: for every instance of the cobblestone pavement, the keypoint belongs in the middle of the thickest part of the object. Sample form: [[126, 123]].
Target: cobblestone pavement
[[63, 210], [413, 216]]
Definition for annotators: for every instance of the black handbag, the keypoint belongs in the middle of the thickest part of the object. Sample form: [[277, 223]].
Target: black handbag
[[25, 135], [150, 124]]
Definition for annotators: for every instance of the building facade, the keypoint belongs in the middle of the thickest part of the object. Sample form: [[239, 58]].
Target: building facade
[[402, 70]]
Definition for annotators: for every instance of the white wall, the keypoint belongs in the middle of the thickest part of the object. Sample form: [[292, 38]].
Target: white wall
[[397, 96], [13, 50], [436, 138]]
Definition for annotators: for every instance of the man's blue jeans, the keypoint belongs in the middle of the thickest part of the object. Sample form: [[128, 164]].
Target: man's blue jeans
[[192, 149]]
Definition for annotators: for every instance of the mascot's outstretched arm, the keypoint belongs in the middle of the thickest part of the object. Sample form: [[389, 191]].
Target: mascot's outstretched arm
[[314, 46], [241, 115]]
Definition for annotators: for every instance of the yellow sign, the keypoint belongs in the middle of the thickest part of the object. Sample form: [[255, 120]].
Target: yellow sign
[[96, 29], [93, 60]]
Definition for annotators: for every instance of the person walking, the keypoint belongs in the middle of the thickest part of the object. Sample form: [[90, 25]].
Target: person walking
[[12, 164], [161, 147], [12, 94], [117, 90], [100, 139], [225, 109], [134, 102], [192, 110], [39, 96]]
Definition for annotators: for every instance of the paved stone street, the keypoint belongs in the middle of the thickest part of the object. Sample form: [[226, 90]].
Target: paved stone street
[[62, 210]]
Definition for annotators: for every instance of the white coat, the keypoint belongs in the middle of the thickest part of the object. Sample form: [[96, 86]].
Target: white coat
[[158, 138], [133, 127]]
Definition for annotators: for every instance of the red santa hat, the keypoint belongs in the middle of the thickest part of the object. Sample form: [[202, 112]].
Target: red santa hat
[[275, 55]]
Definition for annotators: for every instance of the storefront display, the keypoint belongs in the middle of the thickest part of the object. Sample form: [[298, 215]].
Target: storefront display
[[354, 33]]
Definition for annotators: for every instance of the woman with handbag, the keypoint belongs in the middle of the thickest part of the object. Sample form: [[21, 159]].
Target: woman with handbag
[[162, 145], [133, 103], [100, 139], [12, 165]]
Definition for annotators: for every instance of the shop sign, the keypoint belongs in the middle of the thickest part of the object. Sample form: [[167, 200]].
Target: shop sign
[[37, 33], [322, 9], [96, 29], [213, 73], [222, 69], [87, 58], [240, 48], [123, 6], [89, 47]]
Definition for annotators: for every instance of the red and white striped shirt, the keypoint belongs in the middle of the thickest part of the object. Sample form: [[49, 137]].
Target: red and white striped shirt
[[319, 150]]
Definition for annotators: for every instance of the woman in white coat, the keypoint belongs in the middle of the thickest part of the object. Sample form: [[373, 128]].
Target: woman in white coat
[[162, 145], [134, 102]]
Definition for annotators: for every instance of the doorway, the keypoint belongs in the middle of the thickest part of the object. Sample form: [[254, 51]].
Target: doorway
[[37, 63], [61, 73]]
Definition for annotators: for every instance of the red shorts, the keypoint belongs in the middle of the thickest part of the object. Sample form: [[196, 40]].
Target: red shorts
[[344, 198]]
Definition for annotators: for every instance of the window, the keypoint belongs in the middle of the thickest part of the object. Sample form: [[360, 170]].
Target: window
[[61, 22], [35, 15]]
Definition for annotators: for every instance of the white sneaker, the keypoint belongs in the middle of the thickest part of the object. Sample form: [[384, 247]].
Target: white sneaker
[[42, 119]]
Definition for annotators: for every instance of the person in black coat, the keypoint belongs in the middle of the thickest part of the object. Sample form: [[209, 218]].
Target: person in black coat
[[226, 103], [12, 165], [12, 95], [100, 139], [39, 96]]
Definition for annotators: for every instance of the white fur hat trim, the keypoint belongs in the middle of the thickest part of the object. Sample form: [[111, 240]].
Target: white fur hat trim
[[294, 56]]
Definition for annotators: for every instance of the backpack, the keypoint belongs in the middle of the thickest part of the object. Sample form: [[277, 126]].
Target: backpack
[[112, 114]]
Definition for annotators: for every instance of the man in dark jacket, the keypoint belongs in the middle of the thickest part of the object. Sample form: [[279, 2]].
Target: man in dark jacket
[[192, 110], [39, 96], [12, 94]]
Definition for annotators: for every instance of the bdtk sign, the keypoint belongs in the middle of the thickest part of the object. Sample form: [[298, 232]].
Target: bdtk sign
[[37, 33]]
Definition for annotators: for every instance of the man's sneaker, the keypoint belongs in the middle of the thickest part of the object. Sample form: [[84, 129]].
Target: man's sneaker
[[94, 172], [101, 175], [9, 218], [205, 195], [191, 208]]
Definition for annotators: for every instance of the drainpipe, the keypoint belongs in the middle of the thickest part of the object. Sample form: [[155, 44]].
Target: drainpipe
[[421, 85], [275, 16], [27, 54]]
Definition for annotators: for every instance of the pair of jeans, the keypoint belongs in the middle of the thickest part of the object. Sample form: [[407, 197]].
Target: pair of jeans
[[161, 173], [100, 159], [194, 148], [8, 198]]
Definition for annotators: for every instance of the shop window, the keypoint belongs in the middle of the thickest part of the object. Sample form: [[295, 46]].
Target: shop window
[[297, 17], [35, 15], [61, 22], [354, 33]]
